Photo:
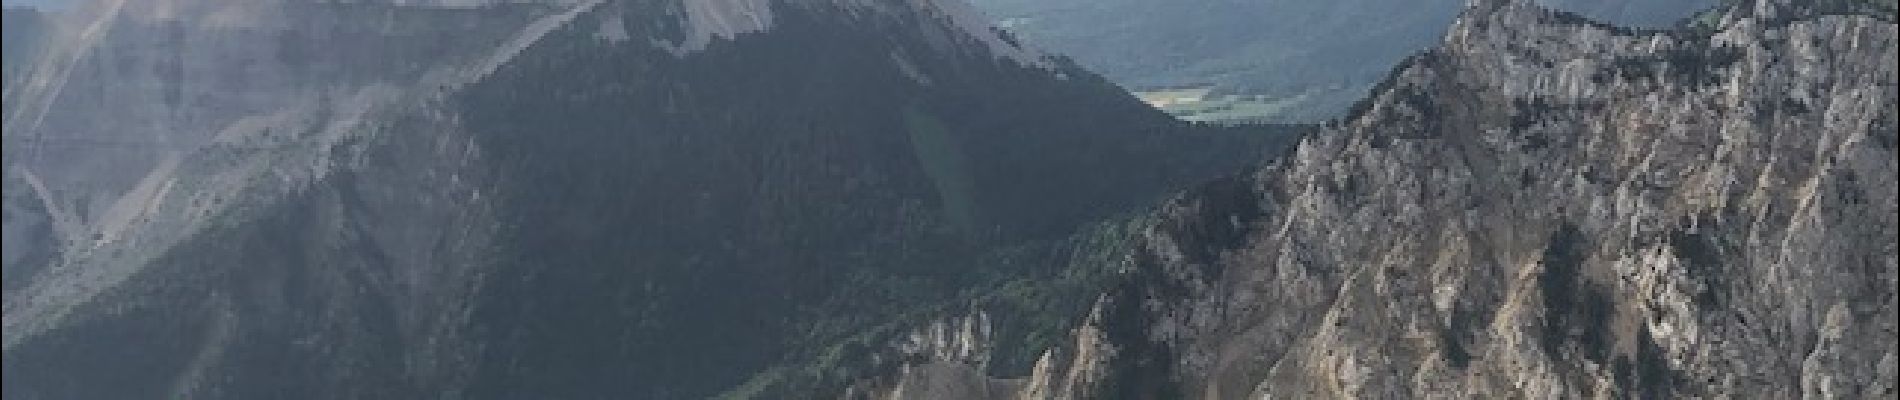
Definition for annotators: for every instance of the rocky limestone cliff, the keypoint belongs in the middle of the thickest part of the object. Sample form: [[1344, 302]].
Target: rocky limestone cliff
[[1542, 207], [949, 359]]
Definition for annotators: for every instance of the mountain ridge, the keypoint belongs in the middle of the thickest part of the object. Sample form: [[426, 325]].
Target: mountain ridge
[[574, 199], [1542, 207]]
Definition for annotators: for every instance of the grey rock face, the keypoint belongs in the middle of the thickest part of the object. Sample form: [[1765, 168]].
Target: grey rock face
[[144, 122], [1549, 208], [937, 361], [167, 152]]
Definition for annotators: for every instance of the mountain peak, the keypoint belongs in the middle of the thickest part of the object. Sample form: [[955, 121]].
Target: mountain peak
[[954, 23]]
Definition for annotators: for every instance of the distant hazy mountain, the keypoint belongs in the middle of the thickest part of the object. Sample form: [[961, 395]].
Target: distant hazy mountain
[[24, 31], [1299, 60], [1634, 13]]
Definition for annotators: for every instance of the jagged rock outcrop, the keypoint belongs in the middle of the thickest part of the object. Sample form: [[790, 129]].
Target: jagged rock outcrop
[[949, 359], [1547, 207]]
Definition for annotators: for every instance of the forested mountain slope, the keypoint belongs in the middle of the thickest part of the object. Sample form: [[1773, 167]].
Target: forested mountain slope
[[554, 199]]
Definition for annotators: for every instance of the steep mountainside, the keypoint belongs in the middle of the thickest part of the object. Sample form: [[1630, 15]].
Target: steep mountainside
[[559, 199], [25, 237], [24, 29], [1542, 207], [1284, 60]]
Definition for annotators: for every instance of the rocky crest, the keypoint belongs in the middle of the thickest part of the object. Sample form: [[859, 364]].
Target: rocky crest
[[1545, 207]]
